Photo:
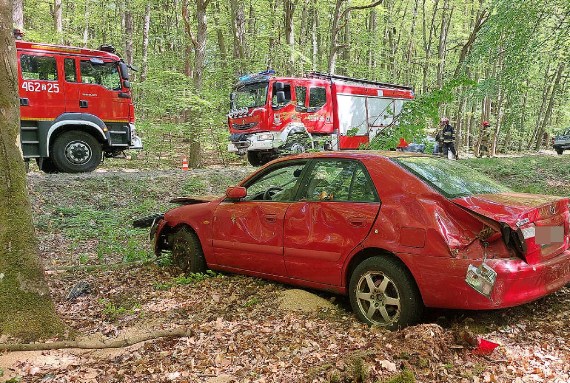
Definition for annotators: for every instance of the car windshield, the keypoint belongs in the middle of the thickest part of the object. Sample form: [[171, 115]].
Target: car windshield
[[250, 95], [451, 178]]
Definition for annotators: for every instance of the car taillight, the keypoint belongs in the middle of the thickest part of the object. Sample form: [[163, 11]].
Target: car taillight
[[533, 249]]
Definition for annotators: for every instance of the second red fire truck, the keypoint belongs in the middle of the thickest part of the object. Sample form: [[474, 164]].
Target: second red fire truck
[[273, 115], [75, 106]]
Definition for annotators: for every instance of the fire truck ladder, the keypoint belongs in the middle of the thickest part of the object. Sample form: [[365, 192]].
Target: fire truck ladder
[[328, 76]]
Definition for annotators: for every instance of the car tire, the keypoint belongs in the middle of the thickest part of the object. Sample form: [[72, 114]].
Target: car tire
[[383, 293], [187, 254], [76, 152], [559, 151], [46, 165], [259, 158]]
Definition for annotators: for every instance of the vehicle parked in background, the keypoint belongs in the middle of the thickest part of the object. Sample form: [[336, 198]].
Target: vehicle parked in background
[[394, 231], [271, 116], [561, 142], [75, 106]]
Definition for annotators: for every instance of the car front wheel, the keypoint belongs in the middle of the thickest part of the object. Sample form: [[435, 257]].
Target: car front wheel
[[383, 293], [187, 252], [559, 150]]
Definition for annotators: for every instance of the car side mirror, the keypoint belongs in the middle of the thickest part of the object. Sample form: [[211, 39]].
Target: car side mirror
[[236, 192], [280, 97]]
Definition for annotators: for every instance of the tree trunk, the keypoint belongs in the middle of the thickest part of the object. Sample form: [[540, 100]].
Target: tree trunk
[[338, 23], [57, 16], [288, 13], [238, 28], [427, 41], [146, 28], [200, 46], [18, 14], [221, 38], [25, 304], [128, 34], [548, 114], [314, 35], [442, 48]]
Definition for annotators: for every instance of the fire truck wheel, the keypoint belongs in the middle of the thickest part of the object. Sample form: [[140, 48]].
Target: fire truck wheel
[[46, 165], [297, 143], [76, 152], [258, 158]]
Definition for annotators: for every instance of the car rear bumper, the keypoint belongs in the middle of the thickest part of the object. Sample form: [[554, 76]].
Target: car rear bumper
[[516, 283]]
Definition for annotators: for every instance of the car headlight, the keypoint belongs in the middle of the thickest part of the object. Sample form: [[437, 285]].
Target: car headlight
[[265, 137]]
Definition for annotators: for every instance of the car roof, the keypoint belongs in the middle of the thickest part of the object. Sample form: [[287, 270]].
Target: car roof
[[354, 154]]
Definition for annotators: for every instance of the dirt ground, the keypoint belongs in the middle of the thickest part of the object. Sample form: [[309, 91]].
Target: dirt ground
[[243, 329]]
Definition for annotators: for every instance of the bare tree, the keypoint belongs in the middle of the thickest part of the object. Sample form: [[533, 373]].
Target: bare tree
[[57, 16], [25, 304]]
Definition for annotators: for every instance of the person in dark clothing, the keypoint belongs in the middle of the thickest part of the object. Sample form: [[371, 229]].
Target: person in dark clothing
[[448, 138]]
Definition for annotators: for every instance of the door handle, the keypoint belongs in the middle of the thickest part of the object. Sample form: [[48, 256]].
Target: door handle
[[24, 101], [356, 221], [271, 218], [83, 104]]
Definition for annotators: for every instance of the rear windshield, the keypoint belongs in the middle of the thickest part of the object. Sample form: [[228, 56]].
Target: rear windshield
[[451, 178]]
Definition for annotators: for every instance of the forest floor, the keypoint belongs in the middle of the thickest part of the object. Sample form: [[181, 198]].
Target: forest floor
[[243, 329]]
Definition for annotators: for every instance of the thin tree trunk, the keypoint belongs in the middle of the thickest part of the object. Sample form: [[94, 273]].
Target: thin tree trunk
[[86, 27], [371, 32], [18, 14], [25, 304], [442, 48], [548, 114], [314, 35], [128, 34], [57, 16], [200, 47], [288, 13], [221, 39], [428, 41], [146, 29]]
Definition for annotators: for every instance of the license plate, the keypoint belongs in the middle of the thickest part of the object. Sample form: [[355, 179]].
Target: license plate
[[545, 235], [481, 278]]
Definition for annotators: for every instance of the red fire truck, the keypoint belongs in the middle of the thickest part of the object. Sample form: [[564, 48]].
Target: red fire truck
[[271, 116], [75, 106]]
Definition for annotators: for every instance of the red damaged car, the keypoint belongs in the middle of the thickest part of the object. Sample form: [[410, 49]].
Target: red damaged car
[[395, 232]]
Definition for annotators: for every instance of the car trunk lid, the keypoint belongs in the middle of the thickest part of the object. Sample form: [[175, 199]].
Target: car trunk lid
[[539, 223]]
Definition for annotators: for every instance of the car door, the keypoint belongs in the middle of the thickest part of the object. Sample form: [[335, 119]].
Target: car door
[[248, 234], [335, 212]]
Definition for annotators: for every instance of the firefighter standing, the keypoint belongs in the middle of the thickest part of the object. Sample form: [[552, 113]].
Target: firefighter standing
[[448, 137], [484, 148]]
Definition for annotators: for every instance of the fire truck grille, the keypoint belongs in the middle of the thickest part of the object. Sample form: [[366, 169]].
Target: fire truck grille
[[249, 125]]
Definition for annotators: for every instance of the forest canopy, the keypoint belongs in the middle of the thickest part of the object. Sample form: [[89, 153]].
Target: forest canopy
[[504, 61]]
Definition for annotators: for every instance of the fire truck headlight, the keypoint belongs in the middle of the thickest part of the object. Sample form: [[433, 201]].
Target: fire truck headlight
[[265, 137]]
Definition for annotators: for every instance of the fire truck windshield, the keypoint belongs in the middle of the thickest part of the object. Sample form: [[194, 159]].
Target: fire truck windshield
[[105, 74], [250, 95]]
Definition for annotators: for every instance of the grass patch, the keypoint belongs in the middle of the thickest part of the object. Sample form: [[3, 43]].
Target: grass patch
[[532, 174]]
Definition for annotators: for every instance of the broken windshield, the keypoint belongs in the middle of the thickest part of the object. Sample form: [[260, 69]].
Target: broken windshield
[[451, 178], [250, 95]]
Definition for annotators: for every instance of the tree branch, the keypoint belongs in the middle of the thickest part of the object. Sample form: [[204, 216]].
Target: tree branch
[[359, 7], [97, 345]]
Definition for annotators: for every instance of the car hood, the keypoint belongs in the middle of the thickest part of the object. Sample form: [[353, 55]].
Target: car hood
[[193, 200], [514, 209]]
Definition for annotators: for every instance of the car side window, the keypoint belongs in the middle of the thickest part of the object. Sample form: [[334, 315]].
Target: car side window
[[338, 180], [317, 98], [278, 184]]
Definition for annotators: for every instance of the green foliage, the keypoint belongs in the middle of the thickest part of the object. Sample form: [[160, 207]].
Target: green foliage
[[405, 376], [114, 311]]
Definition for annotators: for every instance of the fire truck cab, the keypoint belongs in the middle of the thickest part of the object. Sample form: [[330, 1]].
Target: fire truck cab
[[271, 116], [75, 106]]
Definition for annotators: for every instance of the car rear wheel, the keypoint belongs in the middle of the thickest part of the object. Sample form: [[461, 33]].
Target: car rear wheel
[[259, 158], [76, 152], [383, 293], [559, 150], [187, 252]]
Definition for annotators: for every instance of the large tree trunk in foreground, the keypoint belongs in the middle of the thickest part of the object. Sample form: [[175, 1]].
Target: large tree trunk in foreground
[[25, 306]]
